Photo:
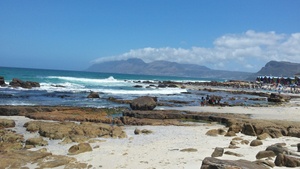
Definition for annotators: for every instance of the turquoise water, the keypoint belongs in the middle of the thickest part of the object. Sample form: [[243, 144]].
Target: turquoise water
[[71, 88], [74, 86]]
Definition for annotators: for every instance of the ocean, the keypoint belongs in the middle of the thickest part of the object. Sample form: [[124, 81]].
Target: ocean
[[71, 88]]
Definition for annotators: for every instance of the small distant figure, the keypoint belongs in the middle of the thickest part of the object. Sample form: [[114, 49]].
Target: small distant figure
[[280, 88], [202, 101], [207, 97]]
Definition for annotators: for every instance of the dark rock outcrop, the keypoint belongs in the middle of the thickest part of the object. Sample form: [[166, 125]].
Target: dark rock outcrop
[[212, 163], [24, 84], [278, 98], [2, 81], [287, 161], [93, 95], [143, 103]]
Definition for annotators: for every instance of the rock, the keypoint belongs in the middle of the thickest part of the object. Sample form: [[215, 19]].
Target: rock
[[93, 95], [233, 142], [145, 131], [230, 134], [214, 163], [138, 86], [235, 128], [40, 158], [237, 139], [256, 143], [278, 149], [263, 136], [218, 152], [10, 141], [298, 147], [143, 103], [265, 154], [274, 97], [2, 81], [266, 162], [248, 129], [80, 148], [189, 150], [294, 132], [233, 153], [215, 132], [245, 142], [19, 83], [287, 161], [56, 130], [137, 131], [7, 123], [39, 141], [273, 132]]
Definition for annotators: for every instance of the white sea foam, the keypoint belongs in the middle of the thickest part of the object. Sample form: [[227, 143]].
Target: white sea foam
[[164, 91], [110, 79]]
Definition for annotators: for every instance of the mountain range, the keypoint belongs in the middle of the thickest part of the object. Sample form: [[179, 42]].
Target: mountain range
[[167, 68]]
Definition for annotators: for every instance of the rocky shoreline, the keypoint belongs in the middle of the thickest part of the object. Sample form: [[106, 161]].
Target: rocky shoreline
[[99, 123], [30, 135]]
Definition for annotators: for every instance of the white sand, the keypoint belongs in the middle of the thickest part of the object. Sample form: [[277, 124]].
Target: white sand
[[159, 150]]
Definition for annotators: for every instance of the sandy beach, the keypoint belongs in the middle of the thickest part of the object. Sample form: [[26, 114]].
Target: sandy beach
[[171, 146]]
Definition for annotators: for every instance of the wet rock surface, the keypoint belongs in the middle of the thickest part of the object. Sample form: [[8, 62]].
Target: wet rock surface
[[24, 84]]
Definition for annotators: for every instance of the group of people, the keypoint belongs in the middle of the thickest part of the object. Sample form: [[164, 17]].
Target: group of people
[[210, 100]]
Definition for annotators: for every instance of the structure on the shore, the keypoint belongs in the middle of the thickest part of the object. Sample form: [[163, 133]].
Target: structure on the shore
[[279, 80]]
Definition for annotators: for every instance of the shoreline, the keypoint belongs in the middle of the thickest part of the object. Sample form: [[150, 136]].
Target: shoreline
[[169, 144]]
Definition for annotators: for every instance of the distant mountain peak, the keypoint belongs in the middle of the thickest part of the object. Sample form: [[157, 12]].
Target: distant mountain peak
[[163, 68], [279, 68]]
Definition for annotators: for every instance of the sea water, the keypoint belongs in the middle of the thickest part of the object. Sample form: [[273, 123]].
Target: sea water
[[71, 88]]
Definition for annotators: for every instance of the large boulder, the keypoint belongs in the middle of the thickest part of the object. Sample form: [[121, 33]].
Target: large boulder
[[287, 161], [210, 162], [24, 84], [143, 103]]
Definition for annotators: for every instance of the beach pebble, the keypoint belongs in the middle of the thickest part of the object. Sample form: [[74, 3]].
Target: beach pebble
[[218, 152], [256, 143]]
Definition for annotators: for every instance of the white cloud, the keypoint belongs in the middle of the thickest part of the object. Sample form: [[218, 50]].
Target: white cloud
[[248, 51]]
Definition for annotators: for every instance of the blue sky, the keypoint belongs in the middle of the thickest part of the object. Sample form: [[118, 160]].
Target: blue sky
[[72, 35]]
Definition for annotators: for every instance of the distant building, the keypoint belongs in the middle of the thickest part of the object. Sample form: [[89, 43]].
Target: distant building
[[279, 80]]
